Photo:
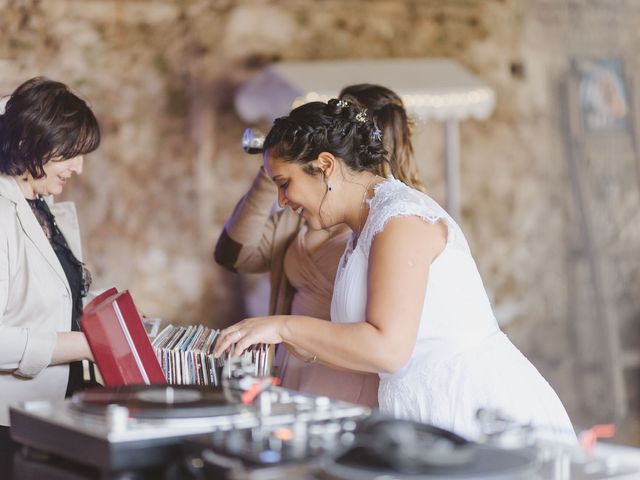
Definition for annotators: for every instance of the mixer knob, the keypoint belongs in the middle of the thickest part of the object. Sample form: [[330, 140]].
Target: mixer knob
[[302, 403], [117, 417], [264, 404], [349, 425], [323, 403], [235, 441], [330, 435], [285, 397], [299, 440]]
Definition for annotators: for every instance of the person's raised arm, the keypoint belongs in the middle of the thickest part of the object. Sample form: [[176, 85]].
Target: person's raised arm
[[399, 263], [245, 243]]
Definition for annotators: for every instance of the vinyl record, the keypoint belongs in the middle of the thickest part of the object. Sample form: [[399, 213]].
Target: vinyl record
[[407, 450], [487, 464], [156, 401]]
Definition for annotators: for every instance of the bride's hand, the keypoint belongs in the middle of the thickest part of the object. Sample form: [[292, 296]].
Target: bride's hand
[[250, 332]]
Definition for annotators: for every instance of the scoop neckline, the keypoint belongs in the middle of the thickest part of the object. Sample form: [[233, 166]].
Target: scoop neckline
[[354, 239]]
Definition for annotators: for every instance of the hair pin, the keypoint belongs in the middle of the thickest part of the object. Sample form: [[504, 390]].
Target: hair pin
[[342, 103], [376, 133], [361, 117]]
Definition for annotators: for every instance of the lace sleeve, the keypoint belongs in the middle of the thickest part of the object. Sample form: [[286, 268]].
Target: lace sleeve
[[395, 199]]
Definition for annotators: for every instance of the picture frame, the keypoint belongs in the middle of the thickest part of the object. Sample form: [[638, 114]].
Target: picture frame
[[602, 94]]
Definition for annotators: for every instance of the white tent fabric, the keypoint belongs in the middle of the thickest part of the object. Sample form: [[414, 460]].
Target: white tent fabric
[[432, 89]]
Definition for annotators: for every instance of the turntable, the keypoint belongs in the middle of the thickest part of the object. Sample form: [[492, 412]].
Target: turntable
[[195, 433], [143, 425], [377, 447], [382, 448], [250, 429], [129, 426]]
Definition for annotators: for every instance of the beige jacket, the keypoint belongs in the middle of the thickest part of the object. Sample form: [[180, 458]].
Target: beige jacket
[[255, 241], [35, 299]]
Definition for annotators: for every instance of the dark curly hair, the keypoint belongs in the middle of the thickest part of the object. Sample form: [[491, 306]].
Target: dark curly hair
[[337, 127], [387, 110], [44, 120]]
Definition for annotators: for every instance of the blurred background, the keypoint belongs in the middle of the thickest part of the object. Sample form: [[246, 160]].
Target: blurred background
[[549, 183]]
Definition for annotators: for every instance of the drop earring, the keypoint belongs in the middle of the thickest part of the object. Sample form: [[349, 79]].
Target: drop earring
[[324, 175]]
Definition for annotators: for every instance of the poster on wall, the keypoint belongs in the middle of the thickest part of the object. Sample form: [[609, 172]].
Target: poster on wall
[[603, 100]]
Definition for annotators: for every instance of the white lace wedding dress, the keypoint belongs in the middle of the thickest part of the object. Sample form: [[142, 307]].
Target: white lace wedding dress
[[461, 360]]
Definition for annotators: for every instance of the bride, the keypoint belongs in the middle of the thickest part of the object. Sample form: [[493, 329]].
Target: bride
[[408, 302]]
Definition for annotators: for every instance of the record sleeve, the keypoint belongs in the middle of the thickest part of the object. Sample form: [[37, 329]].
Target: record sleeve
[[186, 355], [119, 342]]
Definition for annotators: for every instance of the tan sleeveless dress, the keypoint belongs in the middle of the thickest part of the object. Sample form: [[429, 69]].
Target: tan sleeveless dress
[[310, 266]]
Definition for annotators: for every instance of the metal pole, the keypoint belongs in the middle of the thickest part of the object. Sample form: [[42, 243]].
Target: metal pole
[[452, 167]]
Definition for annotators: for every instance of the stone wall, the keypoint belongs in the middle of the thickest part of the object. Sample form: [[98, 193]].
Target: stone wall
[[161, 76]]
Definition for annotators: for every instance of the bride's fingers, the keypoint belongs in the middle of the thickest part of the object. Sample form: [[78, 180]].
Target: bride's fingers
[[224, 342], [241, 336], [243, 344]]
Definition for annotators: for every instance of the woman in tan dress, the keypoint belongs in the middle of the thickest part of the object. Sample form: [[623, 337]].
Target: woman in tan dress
[[303, 262]]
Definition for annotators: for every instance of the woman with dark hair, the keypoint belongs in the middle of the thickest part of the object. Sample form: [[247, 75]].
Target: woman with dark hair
[[302, 261], [45, 130], [408, 301]]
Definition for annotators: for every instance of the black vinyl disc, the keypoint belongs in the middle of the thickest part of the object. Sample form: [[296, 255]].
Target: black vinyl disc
[[488, 463], [156, 401], [407, 450]]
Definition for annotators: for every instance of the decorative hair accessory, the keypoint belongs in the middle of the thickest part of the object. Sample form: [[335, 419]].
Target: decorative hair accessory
[[376, 133], [361, 117], [342, 103]]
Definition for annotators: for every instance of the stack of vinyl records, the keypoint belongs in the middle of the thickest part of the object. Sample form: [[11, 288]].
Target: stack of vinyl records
[[185, 354]]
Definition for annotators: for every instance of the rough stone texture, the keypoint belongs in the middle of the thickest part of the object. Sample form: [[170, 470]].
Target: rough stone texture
[[161, 76]]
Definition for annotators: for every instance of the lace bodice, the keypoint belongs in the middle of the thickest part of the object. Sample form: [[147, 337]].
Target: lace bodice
[[455, 303], [393, 198], [461, 360]]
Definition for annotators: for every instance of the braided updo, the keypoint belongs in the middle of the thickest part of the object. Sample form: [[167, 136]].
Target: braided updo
[[337, 127]]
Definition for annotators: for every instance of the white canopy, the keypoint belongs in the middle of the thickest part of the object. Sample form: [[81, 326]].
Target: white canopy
[[432, 89], [438, 89]]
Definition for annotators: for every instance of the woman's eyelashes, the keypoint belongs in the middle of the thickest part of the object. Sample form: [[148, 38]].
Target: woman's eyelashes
[[283, 187]]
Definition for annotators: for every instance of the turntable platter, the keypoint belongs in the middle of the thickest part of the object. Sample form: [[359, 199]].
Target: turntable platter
[[157, 401]]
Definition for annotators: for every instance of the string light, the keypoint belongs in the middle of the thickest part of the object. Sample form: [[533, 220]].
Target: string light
[[477, 103]]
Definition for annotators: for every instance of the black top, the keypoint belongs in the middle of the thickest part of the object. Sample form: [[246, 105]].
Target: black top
[[77, 275]]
